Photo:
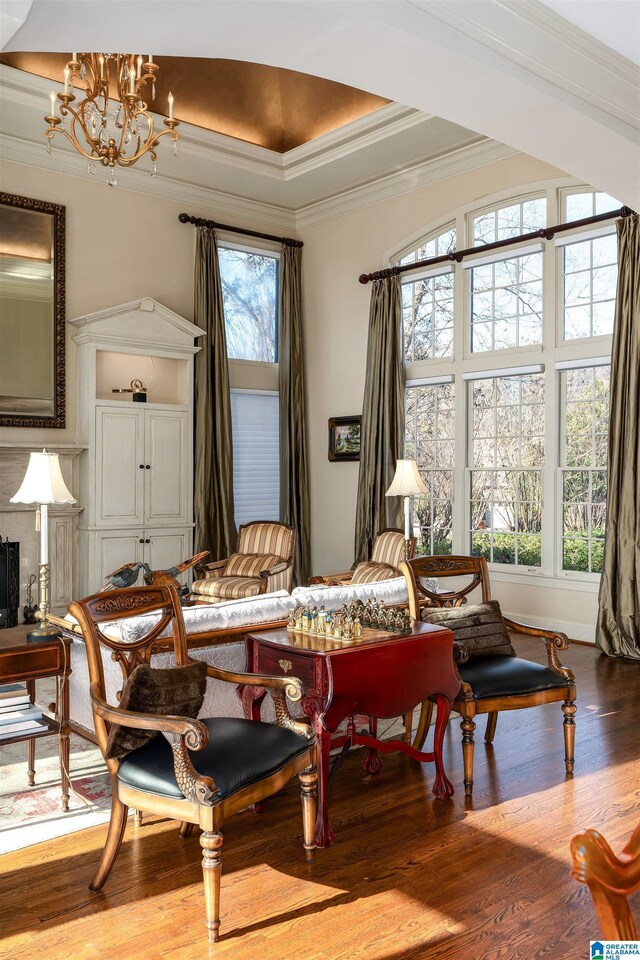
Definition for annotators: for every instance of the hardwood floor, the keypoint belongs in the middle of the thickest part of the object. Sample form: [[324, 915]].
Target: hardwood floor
[[409, 877]]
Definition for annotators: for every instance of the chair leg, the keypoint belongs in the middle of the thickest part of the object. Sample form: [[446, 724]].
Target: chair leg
[[309, 792], [211, 844], [490, 732], [117, 826], [137, 818], [186, 829], [468, 727], [408, 726], [569, 725]]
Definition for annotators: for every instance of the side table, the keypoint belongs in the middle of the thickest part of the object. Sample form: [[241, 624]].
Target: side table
[[24, 662]]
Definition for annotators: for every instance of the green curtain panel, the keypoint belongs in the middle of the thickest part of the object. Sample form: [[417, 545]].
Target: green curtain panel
[[382, 418], [213, 481], [294, 481], [618, 633]]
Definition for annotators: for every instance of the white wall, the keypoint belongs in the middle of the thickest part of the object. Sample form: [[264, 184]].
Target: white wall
[[336, 308]]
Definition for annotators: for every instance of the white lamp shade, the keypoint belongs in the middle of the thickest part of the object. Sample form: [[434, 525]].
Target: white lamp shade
[[407, 481], [43, 481]]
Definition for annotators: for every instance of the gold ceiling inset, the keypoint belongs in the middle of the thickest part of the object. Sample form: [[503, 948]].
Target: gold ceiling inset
[[269, 106]]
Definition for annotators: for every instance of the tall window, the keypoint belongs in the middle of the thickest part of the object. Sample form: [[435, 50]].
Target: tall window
[[507, 442], [506, 303], [429, 432], [250, 299], [427, 303], [534, 414], [590, 271], [585, 424]]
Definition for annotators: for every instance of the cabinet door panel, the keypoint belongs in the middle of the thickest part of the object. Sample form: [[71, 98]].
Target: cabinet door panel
[[166, 548], [116, 550], [166, 482], [119, 479]]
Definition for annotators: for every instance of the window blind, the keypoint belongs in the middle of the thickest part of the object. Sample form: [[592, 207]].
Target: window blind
[[256, 455]]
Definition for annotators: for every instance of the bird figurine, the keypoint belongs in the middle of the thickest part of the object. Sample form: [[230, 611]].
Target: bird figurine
[[127, 575]]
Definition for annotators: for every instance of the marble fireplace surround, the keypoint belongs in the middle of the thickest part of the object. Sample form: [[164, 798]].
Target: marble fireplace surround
[[17, 521]]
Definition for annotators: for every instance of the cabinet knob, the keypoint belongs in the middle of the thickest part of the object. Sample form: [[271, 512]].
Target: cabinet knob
[[147, 540], [148, 466], [141, 540], [142, 466]]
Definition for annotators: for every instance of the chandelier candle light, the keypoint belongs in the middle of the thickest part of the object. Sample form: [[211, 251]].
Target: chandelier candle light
[[42, 485], [406, 483], [109, 133]]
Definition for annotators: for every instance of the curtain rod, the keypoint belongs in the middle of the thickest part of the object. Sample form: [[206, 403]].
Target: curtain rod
[[547, 233], [199, 222]]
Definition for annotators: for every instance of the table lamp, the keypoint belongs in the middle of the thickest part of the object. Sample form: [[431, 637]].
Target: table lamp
[[406, 483], [43, 484]]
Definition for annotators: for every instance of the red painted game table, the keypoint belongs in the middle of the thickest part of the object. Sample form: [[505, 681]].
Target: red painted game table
[[381, 675]]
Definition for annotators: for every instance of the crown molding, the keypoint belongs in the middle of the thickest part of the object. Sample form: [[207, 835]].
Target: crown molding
[[454, 163], [607, 81], [385, 122], [206, 199]]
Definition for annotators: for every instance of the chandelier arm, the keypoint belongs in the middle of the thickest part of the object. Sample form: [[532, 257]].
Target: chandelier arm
[[73, 141]]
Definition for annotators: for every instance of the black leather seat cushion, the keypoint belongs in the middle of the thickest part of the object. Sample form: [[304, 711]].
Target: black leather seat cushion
[[507, 676], [239, 752]]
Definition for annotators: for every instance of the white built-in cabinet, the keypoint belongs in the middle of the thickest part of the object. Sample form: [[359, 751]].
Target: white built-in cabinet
[[136, 475]]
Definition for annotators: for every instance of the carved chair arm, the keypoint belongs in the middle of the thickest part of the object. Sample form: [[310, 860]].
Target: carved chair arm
[[610, 878], [278, 568], [67, 626], [182, 733], [211, 570], [290, 686], [460, 652], [553, 640], [194, 731], [279, 688]]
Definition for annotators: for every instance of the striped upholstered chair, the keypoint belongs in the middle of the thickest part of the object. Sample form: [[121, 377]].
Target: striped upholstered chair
[[262, 563], [386, 556]]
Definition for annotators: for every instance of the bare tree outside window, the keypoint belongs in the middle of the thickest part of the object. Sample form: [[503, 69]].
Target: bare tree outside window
[[249, 293]]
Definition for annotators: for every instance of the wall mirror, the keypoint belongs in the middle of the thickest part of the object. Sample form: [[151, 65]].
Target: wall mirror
[[32, 306]]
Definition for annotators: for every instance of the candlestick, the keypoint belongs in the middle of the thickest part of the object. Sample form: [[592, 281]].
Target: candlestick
[[74, 57], [150, 58], [52, 97], [139, 66], [170, 106], [66, 79], [101, 62], [132, 80]]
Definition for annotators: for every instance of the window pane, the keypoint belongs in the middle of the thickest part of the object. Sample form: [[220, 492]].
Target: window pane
[[584, 459], [427, 305], [506, 504], [506, 304], [249, 294], [590, 276], [429, 424], [256, 456], [512, 220], [585, 203]]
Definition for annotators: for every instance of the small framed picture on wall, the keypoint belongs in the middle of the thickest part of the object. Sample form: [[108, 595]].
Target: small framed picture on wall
[[344, 438]]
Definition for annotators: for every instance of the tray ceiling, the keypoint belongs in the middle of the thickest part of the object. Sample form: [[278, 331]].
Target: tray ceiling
[[268, 106]]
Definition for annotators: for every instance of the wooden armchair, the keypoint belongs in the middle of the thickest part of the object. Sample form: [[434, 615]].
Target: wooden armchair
[[490, 684], [386, 556], [262, 563], [237, 762], [610, 879]]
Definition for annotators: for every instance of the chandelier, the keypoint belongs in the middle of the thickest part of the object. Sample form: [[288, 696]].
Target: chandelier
[[109, 133]]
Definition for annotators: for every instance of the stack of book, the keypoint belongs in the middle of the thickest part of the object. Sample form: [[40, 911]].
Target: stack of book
[[18, 716]]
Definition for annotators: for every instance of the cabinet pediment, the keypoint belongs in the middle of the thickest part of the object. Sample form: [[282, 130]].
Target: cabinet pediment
[[141, 322]]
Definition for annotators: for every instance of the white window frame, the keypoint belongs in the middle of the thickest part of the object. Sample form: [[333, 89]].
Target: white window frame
[[554, 349]]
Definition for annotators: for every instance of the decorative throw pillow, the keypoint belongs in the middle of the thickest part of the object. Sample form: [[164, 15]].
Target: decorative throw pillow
[[480, 627], [250, 564], [173, 692], [368, 572]]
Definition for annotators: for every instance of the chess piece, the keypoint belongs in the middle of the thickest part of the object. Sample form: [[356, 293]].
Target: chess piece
[[291, 620], [322, 621], [357, 629]]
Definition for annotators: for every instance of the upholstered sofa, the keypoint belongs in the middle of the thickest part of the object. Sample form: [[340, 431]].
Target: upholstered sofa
[[215, 633]]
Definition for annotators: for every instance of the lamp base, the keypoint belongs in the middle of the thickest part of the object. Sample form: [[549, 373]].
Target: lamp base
[[43, 632]]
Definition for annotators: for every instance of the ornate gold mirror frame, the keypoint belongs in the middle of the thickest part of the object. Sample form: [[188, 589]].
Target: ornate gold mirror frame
[[56, 418]]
